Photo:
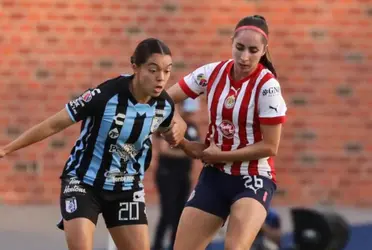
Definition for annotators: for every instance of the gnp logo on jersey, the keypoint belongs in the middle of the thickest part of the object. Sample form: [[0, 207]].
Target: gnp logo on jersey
[[272, 91], [230, 102], [201, 80], [71, 205], [227, 128]]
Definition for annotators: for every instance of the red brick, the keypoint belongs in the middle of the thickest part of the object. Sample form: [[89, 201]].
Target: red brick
[[194, 35]]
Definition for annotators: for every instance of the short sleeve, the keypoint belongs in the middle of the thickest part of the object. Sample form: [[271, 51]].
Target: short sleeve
[[271, 105], [84, 105], [195, 83]]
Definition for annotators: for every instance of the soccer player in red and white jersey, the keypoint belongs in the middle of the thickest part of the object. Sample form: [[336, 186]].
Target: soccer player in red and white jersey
[[246, 112]]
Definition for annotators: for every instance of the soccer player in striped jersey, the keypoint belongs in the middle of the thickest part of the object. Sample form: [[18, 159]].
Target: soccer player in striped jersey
[[106, 166], [246, 112]]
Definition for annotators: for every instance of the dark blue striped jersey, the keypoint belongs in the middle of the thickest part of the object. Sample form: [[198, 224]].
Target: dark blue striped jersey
[[114, 147]]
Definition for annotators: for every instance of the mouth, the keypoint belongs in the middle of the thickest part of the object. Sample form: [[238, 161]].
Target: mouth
[[158, 89], [244, 66]]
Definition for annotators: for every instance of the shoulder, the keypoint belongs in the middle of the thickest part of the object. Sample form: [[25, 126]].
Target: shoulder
[[165, 96], [210, 67]]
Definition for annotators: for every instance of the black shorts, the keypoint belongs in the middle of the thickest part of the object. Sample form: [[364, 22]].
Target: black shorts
[[79, 200], [216, 191]]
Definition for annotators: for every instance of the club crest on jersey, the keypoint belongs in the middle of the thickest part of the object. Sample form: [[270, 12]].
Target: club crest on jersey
[[156, 121], [227, 129], [230, 102], [71, 205], [201, 80]]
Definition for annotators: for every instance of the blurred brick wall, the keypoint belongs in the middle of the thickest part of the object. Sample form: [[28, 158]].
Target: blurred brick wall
[[52, 50]]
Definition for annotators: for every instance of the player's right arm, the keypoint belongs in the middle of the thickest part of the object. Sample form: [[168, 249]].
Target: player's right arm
[[76, 110], [193, 149], [46, 128]]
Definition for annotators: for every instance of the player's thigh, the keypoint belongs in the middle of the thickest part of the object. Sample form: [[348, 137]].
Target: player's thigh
[[131, 237], [79, 233], [196, 229], [125, 217], [248, 211], [246, 218], [204, 214], [79, 210]]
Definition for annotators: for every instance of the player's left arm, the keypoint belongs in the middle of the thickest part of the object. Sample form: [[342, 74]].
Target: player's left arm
[[271, 113]]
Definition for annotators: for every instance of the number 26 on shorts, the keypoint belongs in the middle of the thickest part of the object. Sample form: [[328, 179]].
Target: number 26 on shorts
[[253, 182]]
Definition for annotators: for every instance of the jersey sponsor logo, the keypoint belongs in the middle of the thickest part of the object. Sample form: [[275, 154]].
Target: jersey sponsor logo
[[201, 80], [117, 176], [114, 133], [74, 189], [272, 91], [70, 205], [119, 119], [125, 152], [74, 186], [230, 102], [227, 128]]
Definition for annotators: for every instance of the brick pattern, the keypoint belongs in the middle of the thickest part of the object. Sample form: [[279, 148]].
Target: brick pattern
[[52, 50]]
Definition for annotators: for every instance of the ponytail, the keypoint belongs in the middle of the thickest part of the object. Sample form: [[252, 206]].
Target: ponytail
[[266, 61]]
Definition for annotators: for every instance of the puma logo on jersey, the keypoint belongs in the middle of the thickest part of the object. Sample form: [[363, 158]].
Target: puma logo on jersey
[[276, 109]]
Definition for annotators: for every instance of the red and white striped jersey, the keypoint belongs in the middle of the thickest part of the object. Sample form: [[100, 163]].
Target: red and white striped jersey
[[236, 110]]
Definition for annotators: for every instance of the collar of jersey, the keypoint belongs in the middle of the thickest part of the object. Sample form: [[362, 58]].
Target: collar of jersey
[[133, 100]]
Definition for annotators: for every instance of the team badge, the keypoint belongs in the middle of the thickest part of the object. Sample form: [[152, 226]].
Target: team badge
[[201, 80], [227, 128], [71, 205], [156, 121], [87, 96], [230, 102]]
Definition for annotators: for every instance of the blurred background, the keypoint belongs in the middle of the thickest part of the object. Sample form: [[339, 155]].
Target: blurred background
[[52, 50]]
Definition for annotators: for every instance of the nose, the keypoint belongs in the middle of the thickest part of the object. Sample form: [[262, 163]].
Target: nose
[[161, 76], [245, 55]]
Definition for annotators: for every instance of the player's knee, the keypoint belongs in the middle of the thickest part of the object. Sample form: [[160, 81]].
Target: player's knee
[[78, 245], [233, 244]]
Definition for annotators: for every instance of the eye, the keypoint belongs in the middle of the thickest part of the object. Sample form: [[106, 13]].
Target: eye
[[253, 50], [152, 70], [240, 48]]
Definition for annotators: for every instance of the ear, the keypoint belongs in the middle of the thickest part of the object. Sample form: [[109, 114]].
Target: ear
[[135, 68], [266, 47]]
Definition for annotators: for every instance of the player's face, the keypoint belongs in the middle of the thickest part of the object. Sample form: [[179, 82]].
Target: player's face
[[247, 49], [154, 74]]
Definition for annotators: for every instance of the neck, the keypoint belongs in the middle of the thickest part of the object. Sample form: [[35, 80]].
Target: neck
[[137, 92], [238, 75]]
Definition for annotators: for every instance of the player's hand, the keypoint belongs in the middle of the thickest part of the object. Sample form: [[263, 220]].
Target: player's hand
[[2, 153], [211, 154], [176, 134]]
